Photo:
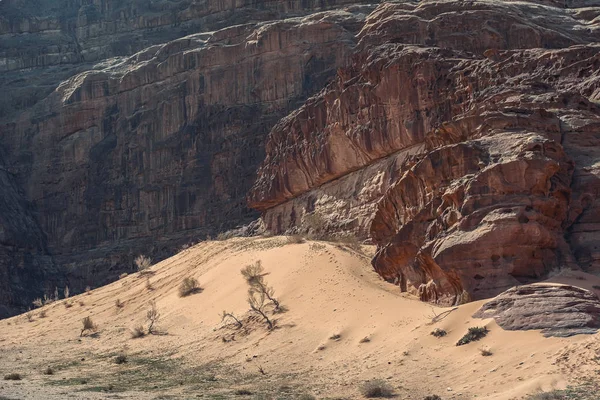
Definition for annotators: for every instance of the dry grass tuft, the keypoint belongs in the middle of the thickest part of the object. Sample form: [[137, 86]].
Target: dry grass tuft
[[88, 325], [189, 286], [138, 332], [377, 388], [13, 377]]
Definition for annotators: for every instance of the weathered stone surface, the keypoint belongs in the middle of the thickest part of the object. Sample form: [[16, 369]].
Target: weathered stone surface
[[472, 166], [557, 310], [142, 153]]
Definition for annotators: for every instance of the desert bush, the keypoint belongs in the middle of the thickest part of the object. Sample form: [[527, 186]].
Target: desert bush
[[253, 273], [485, 352], [256, 301], [123, 275], [49, 371], [142, 262], [295, 239], [149, 284], [42, 313], [88, 325], [152, 316], [56, 294], [121, 358], [13, 377], [335, 336], [315, 224], [37, 302], [366, 339], [138, 332], [68, 304], [349, 241], [437, 332], [88, 290], [119, 303], [474, 334], [66, 292], [29, 316], [48, 300], [433, 397], [188, 286], [225, 316], [243, 392], [377, 388]]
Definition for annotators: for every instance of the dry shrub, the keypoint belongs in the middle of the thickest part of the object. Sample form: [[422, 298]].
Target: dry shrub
[[226, 316], [13, 377], [123, 275], [121, 358], [142, 262], [88, 325], [188, 286], [138, 332], [49, 371], [438, 333], [152, 316], [42, 313], [66, 292], [485, 352], [377, 388], [29, 316], [119, 303], [37, 302]]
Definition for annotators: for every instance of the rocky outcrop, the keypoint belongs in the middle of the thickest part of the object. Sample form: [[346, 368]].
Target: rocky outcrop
[[460, 140], [139, 154], [556, 310]]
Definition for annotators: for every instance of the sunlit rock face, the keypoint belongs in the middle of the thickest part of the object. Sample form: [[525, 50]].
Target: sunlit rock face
[[462, 140]]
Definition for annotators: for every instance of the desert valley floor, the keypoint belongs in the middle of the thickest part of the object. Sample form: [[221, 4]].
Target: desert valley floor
[[342, 325]]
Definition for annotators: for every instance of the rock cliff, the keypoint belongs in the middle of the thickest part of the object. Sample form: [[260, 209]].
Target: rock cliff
[[462, 139], [134, 127]]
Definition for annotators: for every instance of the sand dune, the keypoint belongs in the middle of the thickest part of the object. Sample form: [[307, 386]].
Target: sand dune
[[334, 301]]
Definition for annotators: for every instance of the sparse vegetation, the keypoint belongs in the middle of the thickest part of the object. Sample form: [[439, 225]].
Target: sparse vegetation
[[188, 286], [13, 377], [119, 304], [149, 284], [226, 316], [256, 301], [243, 392], [88, 325], [366, 339], [88, 290], [138, 332], [42, 313], [335, 336], [486, 352], [377, 388], [433, 397], [37, 302], [68, 304], [152, 316], [438, 333], [474, 334], [123, 275], [142, 262], [254, 275], [49, 371], [66, 292], [29, 316], [121, 358]]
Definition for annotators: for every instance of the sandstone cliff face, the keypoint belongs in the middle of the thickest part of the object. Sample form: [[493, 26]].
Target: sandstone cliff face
[[462, 140], [143, 153]]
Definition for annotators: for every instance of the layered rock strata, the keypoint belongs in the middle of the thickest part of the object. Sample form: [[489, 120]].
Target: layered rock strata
[[462, 140]]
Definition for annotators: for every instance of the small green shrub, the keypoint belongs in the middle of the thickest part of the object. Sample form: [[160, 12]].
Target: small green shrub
[[377, 388], [474, 334]]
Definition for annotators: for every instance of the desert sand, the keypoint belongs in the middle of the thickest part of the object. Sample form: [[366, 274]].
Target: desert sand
[[334, 300]]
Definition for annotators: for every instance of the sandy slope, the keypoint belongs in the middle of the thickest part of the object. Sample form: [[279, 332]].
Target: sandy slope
[[328, 290]]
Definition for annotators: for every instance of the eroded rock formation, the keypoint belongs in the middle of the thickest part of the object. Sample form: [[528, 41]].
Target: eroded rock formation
[[463, 140], [556, 310]]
